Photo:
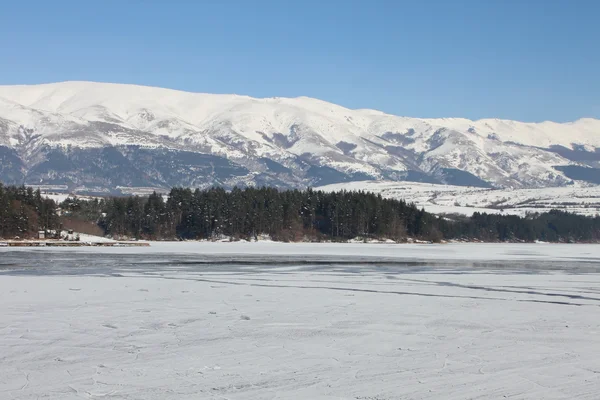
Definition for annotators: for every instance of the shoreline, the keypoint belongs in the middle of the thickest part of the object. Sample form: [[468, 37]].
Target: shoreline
[[150, 243], [71, 244]]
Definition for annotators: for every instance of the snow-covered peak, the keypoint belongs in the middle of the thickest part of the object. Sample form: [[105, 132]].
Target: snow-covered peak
[[126, 102], [298, 133]]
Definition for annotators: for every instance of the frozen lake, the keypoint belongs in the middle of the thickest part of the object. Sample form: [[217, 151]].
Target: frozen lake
[[301, 321]]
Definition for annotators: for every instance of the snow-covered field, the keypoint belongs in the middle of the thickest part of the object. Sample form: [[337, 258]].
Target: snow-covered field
[[301, 321], [60, 197], [447, 199]]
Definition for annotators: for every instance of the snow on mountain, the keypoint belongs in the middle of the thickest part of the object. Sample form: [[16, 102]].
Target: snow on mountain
[[170, 137]]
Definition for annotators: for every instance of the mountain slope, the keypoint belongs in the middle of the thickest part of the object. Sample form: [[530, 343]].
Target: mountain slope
[[66, 133]]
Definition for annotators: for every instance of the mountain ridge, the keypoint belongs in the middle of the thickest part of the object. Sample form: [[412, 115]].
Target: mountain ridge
[[276, 98], [307, 141]]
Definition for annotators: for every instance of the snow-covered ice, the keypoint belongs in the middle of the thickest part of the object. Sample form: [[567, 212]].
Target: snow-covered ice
[[301, 321]]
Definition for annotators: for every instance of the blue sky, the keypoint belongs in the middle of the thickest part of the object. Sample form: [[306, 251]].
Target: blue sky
[[529, 60]]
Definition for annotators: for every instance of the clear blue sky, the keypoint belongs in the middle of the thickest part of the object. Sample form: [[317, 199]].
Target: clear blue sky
[[529, 60]]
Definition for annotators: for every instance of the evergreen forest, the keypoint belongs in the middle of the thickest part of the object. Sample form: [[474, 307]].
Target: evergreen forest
[[291, 215]]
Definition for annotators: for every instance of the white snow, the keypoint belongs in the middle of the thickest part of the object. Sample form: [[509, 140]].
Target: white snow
[[175, 331], [240, 126], [270, 115], [447, 199], [86, 238], [265, 250], [57, 197]]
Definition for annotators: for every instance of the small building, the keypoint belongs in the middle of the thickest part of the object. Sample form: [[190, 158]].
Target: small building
[[41, 234]]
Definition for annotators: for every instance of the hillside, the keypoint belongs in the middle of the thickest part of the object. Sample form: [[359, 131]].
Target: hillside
[[99, 137], [447, 199]]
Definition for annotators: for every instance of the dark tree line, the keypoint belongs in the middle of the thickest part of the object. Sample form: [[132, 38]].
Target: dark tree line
[[23, 212], [308, 214], [292, 215], [552, 226], [284, 215]]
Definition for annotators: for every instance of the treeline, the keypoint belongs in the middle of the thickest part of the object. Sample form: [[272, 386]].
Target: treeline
[[313, 215], [552, 226], [245, 214], [23, 212], [293, 215]]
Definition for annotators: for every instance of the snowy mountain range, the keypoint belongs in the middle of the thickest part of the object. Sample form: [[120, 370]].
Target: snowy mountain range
[[99, 137]]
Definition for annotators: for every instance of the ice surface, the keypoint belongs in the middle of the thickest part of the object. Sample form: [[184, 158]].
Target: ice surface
[[267, 250], [301, 321]]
